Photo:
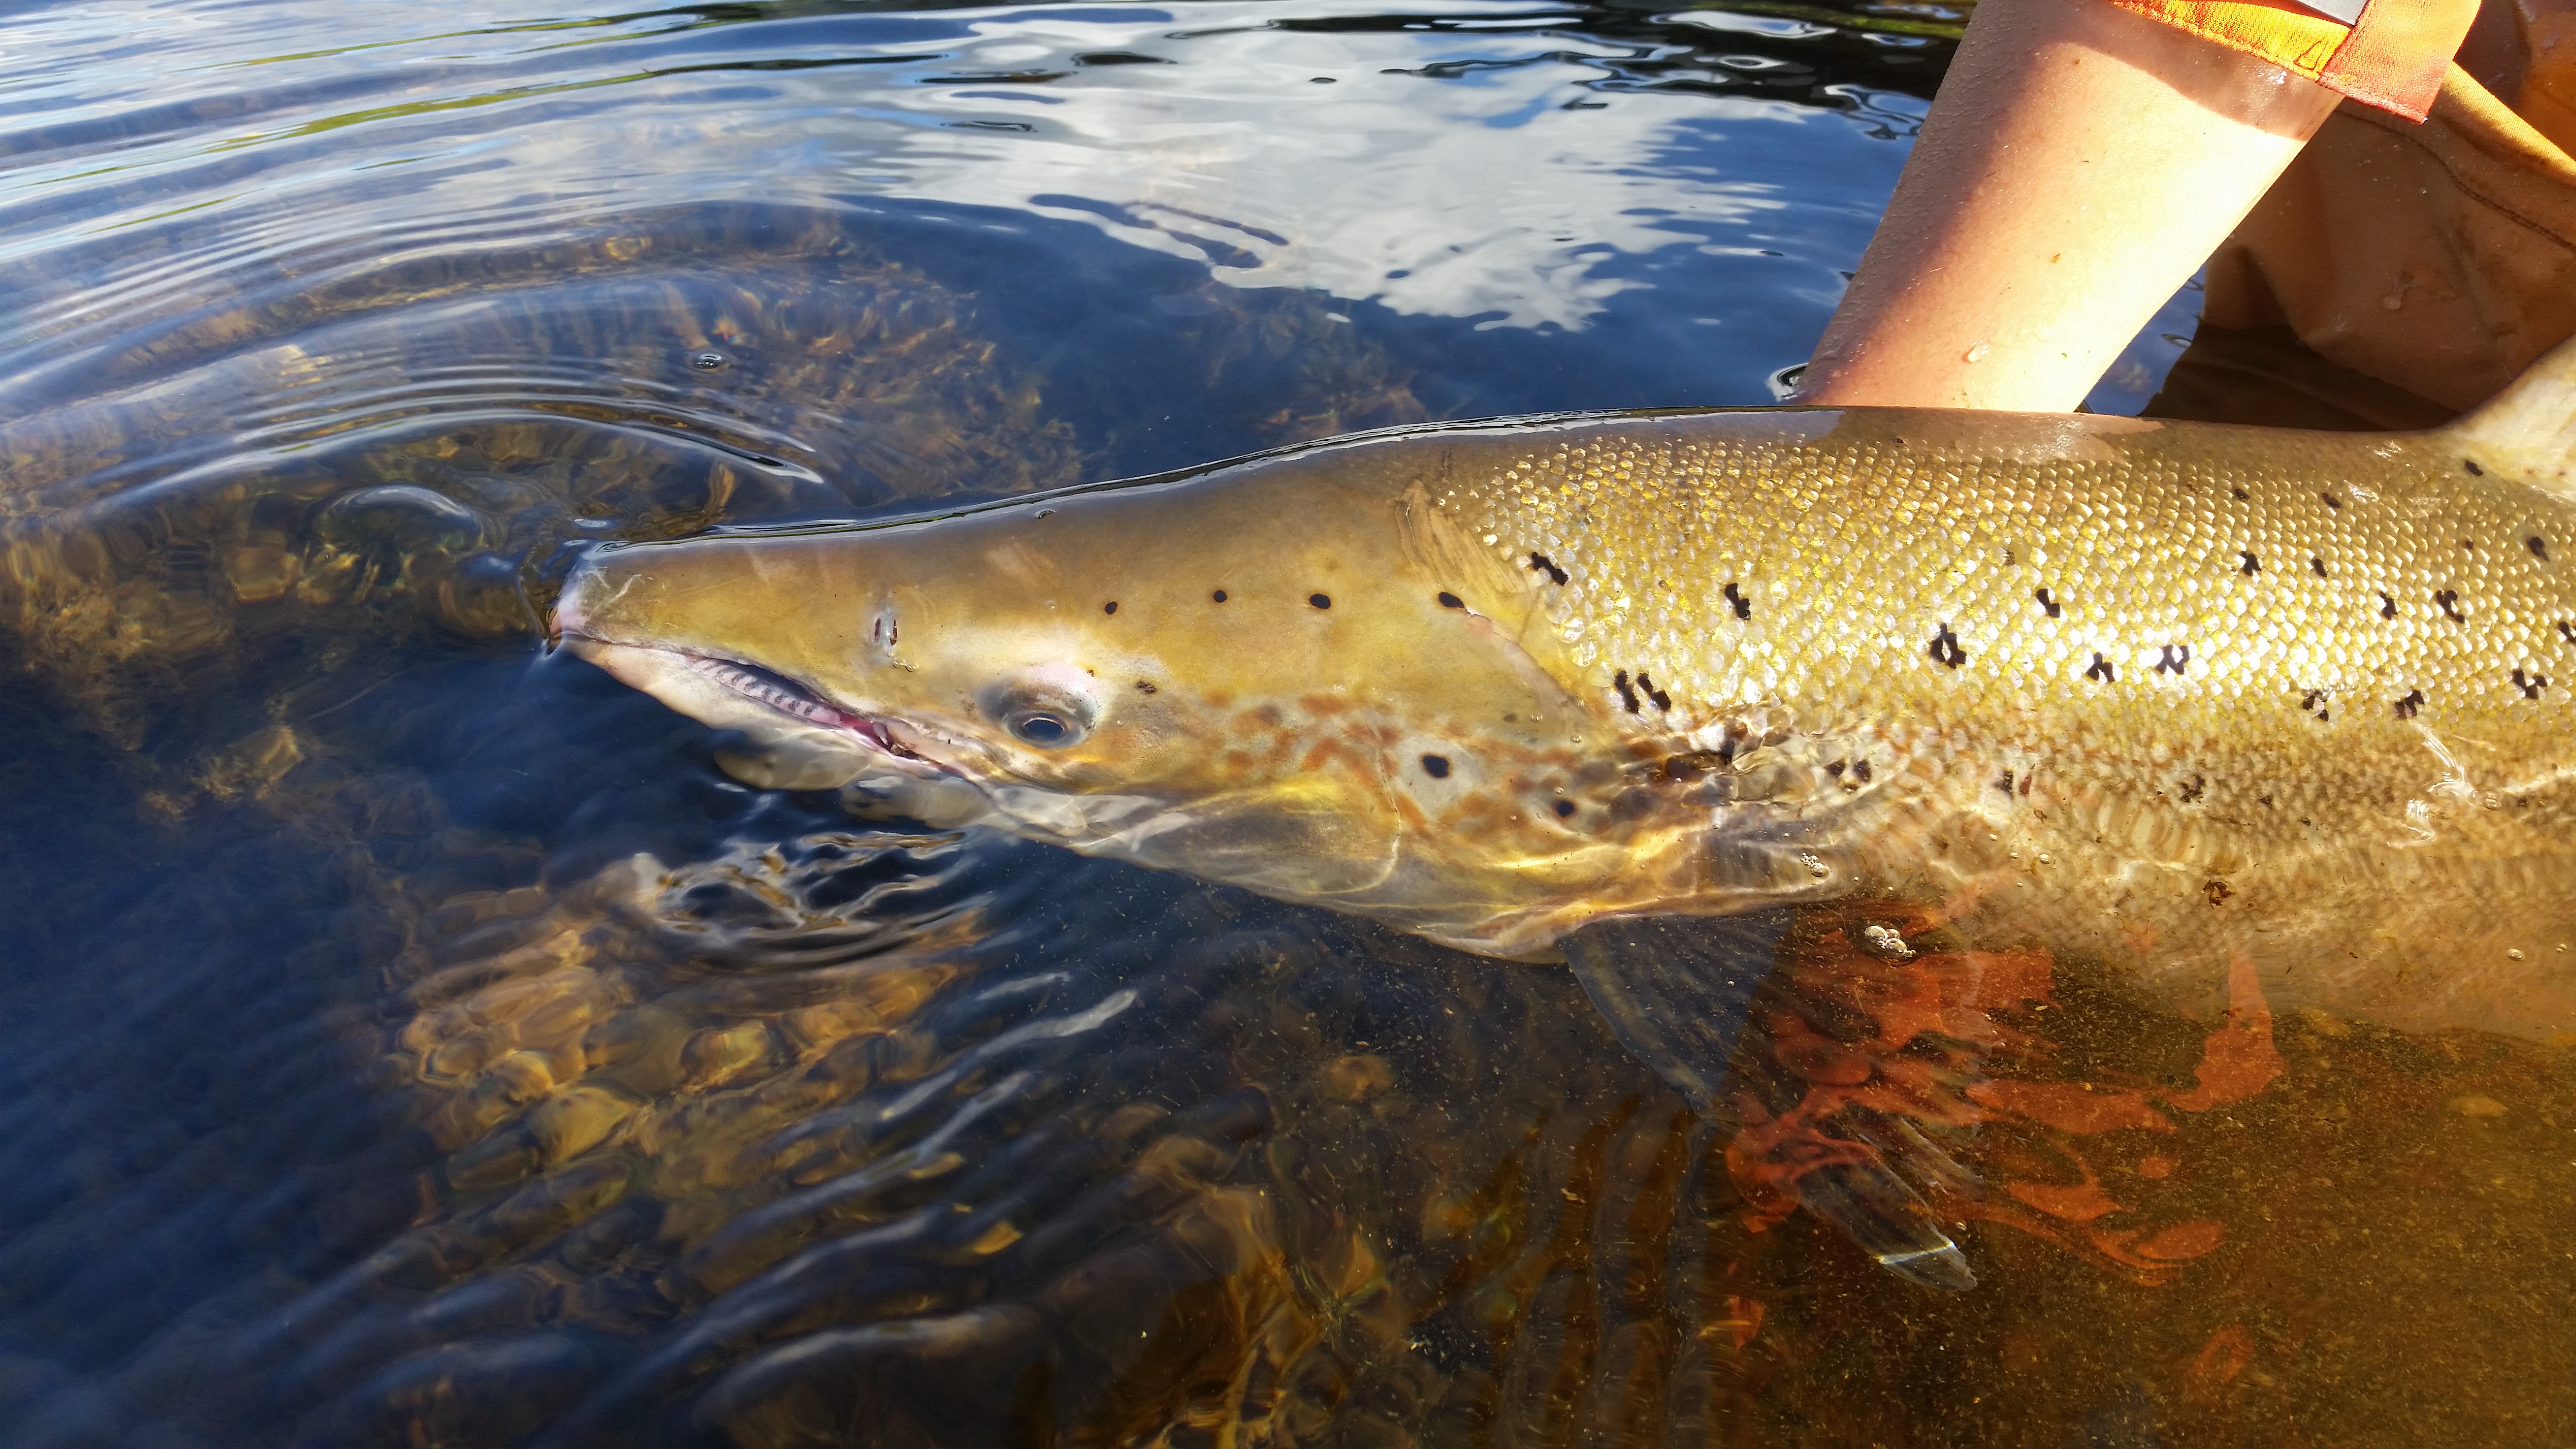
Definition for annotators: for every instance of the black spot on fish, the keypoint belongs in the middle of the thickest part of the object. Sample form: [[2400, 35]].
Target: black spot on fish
[[2252, 565], [1146, 686], [2191, 790], [2314, 702], [1540, 562], [1662, 701], [2318, 565], [2331, 500], [2216, 891], [1861, 771], [1451, 601], [2567, 631], [2175, 660], [1836, 769], [2539, 547], [2413, 701], [2531, 685], [2046, 602], [1684, 768], [2469, 544], [1320, 601], [1436, 766], [1743, 606], [2449, 599], [1627, 695], [2101, 670], [2387, 607], [1563, 809], [2239, 494], [1219, 596], [1110, 608], [1945, 649], [2263, 800], [1737, 732], [2005, 782], [2474, 470]]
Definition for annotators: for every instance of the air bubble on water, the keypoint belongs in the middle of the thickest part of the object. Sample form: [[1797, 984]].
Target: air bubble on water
[[708, 361], [1977, 353], [1887, 943]]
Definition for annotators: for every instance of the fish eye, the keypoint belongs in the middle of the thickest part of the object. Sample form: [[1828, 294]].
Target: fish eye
[[1042, 728], [1050, 707]]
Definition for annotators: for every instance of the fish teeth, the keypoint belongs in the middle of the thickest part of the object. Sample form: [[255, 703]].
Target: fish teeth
[[751, 685], [755, 685]]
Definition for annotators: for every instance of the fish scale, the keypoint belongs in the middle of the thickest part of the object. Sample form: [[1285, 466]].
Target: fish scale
[[2099, 537]]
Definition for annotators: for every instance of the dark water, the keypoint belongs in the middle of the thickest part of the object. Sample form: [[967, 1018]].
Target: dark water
[[410, 1038]]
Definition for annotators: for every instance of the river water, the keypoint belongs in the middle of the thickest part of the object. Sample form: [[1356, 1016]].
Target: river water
[[410, 1037]]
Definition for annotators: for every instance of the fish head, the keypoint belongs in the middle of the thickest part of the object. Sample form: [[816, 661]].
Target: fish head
[[1288, 676]]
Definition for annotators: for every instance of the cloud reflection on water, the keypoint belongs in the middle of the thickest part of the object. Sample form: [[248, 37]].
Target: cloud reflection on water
[[1326, 160]]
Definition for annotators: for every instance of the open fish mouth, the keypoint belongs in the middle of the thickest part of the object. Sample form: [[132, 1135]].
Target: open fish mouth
[[785, 695], [731, 693]]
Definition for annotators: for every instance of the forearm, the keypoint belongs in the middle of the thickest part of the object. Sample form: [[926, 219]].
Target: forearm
[[2080, 163]]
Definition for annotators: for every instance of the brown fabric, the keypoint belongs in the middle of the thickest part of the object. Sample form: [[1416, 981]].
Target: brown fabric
[[2266, 377], [2547, 99], [2440, 259]]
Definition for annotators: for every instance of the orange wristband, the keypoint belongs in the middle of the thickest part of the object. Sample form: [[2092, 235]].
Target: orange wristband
[[2394, 58]]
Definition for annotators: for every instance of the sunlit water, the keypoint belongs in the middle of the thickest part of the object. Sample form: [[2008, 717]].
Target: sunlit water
[[409, 1038]]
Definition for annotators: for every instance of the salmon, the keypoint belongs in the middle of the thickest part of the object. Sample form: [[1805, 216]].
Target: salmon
[[2174, 696]]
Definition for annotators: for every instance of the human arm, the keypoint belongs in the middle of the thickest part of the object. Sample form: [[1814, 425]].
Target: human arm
[[2080, 164]]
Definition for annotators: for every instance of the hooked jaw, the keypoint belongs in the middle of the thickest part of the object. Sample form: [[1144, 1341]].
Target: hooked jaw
[[828, 744], [777, 712]]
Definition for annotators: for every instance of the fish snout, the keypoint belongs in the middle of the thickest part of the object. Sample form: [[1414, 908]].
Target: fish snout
[[568, 619], [577, 606]]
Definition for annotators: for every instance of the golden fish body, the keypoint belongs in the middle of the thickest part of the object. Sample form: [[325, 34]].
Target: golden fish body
[[2163, 693]]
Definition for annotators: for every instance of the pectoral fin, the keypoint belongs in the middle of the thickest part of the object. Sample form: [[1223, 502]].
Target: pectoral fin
[[1677, 991]]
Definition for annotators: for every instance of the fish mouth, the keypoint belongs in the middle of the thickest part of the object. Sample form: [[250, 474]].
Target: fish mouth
[[730, 693], [785, 695]]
